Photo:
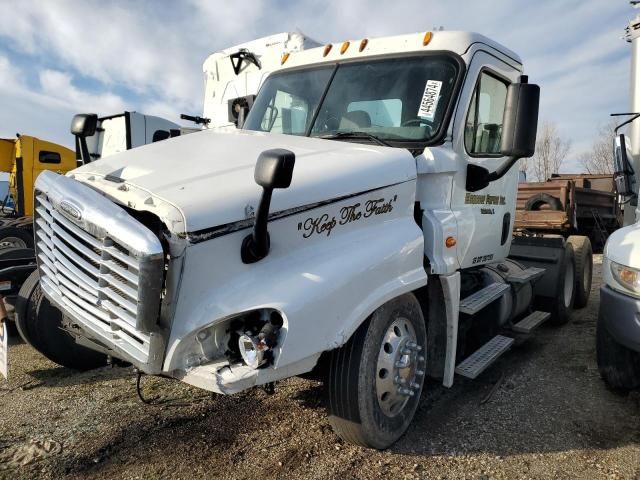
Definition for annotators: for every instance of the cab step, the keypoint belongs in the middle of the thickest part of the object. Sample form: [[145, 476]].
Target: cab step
[[479, 360], [527, 275], [531, 322], [477, 301]]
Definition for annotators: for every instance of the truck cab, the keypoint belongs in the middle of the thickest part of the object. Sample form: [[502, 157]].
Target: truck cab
[[618, 331], [24, 158], [358, 227]]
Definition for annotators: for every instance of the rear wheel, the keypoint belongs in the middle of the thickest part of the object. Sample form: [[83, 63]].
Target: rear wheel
[[376, 378], [619, 367], [562, 303], [584, 268]]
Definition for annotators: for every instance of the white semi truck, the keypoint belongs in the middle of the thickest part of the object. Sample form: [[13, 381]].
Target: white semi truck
[[618, 332], [359, 228]]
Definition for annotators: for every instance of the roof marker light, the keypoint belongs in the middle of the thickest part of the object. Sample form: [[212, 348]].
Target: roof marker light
[[285, 57], [327, 49], [344, 47], [427, 38], [363, 44]]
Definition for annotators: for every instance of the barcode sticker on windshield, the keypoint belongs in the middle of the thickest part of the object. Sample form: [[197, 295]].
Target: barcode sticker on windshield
[[430, 99]]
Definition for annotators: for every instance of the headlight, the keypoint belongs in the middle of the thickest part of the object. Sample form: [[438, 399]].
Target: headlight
[[628, 277]]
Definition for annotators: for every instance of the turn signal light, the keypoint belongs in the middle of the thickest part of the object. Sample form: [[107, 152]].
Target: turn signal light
[[363, 44], [285, 57], [450, 242], [344, 47], [327, 49], [427, 38]]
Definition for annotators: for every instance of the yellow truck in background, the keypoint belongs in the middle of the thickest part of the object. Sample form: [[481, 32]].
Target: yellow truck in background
[[23, 158]]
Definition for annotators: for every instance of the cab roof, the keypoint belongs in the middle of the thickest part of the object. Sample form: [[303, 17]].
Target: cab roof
[[452, 41]]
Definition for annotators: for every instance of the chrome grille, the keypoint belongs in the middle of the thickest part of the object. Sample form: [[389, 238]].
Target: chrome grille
[[95, 278]]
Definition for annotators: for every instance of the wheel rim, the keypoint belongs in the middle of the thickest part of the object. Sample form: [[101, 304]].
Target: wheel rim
[[400, 367], [12, 242], [569, 279]]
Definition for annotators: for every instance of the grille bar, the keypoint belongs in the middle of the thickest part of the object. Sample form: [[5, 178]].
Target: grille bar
[[95, 278]]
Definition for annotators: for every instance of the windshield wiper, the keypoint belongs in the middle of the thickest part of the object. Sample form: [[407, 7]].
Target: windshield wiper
[[346, 135]]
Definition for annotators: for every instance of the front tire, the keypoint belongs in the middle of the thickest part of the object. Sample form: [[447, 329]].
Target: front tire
[[45, 332], [619, 367], [375, 380]]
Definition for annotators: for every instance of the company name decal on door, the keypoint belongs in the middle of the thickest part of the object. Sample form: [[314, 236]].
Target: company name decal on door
[[474, 199], [324, 224]]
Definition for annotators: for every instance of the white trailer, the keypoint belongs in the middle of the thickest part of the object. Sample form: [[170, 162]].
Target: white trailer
[[358, 228]]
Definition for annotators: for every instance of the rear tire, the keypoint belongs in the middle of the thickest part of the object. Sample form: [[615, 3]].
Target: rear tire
[[368, 389], [47, 335], [562, 303], [15, 237], [619, 367], [584, 268]]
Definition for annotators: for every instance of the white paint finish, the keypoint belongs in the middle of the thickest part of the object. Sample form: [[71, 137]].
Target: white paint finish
[[448, 41], [212, 172], [480, 234], [623, 247], [305, 277], [451, 291], [111, 136]]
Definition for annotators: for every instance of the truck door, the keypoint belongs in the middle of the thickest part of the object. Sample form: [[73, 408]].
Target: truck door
[[485, 218]]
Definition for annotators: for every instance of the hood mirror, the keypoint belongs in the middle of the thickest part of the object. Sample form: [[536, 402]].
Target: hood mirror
[[274, 169]]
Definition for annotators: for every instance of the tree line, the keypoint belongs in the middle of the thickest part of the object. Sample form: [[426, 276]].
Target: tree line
[[552, 150]]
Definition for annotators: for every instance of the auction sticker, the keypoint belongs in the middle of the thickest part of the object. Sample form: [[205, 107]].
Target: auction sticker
[[430, 99], [4, 349]]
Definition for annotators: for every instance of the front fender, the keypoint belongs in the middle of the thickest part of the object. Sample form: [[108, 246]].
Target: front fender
[[325, 281]]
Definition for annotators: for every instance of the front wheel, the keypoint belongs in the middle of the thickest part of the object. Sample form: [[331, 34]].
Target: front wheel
[[375, 380], [619, 367]]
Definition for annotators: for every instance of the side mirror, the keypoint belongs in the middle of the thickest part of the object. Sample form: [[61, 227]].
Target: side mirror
[[519, 130], [274, 169], [623, 176], [84, 124], [520, 119]]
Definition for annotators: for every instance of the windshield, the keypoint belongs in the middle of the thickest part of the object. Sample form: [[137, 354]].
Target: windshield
[[394, 99]]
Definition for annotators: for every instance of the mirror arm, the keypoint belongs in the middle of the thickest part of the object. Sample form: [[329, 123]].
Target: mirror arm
[[503, 169], [256, 246]]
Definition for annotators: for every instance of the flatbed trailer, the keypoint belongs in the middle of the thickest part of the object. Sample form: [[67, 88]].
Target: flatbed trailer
[[570, 205]]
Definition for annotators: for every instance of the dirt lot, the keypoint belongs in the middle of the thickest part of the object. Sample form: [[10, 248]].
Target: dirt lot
[[549, 416]]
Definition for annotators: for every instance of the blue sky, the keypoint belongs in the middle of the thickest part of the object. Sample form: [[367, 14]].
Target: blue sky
[[61, 57]]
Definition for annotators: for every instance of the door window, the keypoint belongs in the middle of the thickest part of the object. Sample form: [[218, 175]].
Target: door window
[[483, 129]]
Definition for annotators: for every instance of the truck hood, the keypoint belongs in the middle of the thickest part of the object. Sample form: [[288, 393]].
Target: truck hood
[[623, 246], [208, 175]]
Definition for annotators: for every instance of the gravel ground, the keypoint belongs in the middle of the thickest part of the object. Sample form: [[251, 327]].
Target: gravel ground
[[549, 416]]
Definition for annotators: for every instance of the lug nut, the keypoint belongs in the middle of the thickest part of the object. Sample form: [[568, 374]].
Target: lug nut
[[406, 392], [399, 380], [419, 373], [414, 385], [421, 358]]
